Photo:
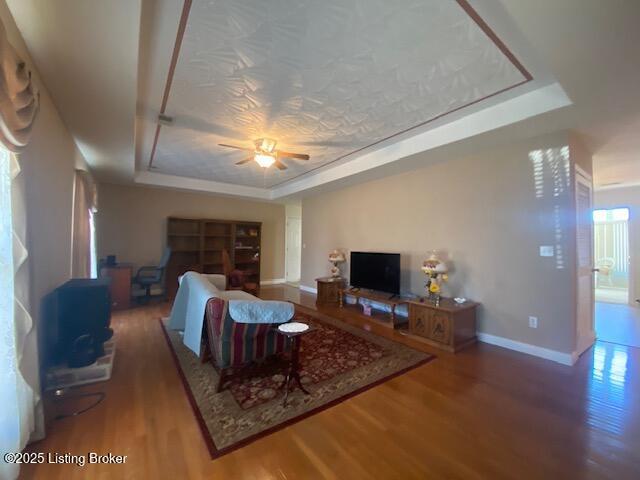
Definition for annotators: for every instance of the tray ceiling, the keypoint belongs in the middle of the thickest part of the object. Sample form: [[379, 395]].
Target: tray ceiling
[[323, 78]]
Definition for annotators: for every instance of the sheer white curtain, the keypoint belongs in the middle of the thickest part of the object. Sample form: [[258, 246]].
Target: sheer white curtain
[[18, 399], [20, 407]]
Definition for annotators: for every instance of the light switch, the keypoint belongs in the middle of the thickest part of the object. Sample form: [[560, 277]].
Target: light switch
[[546, 251]]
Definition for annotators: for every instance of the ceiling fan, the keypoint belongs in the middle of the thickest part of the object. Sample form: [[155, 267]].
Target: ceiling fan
[[265, 154]]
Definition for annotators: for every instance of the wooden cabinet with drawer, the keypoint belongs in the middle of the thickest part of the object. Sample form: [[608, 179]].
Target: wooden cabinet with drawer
[[329, 290], [120, 284], [448, 326]]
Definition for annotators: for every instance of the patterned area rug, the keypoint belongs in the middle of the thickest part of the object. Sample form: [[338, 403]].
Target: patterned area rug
[[337, 361]]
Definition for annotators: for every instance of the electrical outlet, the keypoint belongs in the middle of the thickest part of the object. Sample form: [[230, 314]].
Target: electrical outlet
[[533, 322]]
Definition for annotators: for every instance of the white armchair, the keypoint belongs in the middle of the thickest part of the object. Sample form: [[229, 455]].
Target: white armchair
[[216, 279]]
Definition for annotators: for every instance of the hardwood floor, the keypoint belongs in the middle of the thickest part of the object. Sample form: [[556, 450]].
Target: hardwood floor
[[485, 412], [618, 323]]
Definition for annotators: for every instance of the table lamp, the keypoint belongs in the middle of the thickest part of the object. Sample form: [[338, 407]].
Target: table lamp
[[436, 270], [335, 258]]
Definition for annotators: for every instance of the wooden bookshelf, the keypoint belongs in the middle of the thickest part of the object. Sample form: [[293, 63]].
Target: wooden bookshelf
[[246, 249], [197, 244]]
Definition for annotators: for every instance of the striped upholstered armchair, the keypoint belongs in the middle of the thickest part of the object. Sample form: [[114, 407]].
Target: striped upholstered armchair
[[231, 344]]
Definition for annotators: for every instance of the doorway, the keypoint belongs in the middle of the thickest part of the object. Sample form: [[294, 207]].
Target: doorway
[[293, 250], [617, 319], [611, 255]]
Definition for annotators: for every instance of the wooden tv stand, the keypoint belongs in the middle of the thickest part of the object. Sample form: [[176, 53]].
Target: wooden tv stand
[[386, 298]]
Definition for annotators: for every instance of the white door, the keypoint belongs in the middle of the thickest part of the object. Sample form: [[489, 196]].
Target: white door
[[293, 249], [585, 335]]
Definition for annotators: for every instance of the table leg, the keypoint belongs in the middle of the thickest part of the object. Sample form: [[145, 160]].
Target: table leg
[[286, 389], [297, 378], [294, 370]]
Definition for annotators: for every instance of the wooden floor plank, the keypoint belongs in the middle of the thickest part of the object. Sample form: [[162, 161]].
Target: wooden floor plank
[[485, 412]]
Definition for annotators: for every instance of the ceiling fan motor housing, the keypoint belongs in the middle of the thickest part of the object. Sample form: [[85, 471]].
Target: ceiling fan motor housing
[[265, 144]]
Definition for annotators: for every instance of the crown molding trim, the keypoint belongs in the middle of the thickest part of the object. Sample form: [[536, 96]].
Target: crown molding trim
[[198, 185], [513, 110]]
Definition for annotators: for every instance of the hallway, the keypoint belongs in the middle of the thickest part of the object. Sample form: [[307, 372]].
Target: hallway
[[618, 323]]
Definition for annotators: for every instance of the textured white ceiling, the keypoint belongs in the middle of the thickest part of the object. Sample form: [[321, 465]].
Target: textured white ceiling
[[322, 77]]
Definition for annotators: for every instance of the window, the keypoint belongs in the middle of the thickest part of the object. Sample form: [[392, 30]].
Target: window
[[611, 215], [93, 271], [10, 381]]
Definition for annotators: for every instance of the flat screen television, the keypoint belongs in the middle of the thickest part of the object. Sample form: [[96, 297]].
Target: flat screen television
[[375, 271]]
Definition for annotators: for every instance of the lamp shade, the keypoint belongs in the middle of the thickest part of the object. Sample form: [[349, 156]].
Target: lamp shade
[[434, 264], [441, 268], [336, 257]]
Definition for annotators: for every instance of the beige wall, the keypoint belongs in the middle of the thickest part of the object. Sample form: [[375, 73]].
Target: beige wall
[[132, 222], [626, 197], [491, 211], [48, 165], [580, 154]]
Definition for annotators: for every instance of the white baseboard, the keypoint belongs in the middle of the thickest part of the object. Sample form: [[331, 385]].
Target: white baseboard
[[584, 343], [304, 288], [272, 281], [553, 355]]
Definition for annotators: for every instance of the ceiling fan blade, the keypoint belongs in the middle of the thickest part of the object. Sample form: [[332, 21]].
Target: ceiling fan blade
[[298, 156], [246, 160], [236, 147], [280, 165]]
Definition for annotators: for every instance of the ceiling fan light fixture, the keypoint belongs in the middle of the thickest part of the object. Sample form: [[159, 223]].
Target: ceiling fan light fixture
[[265, 161], [266, 144]]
